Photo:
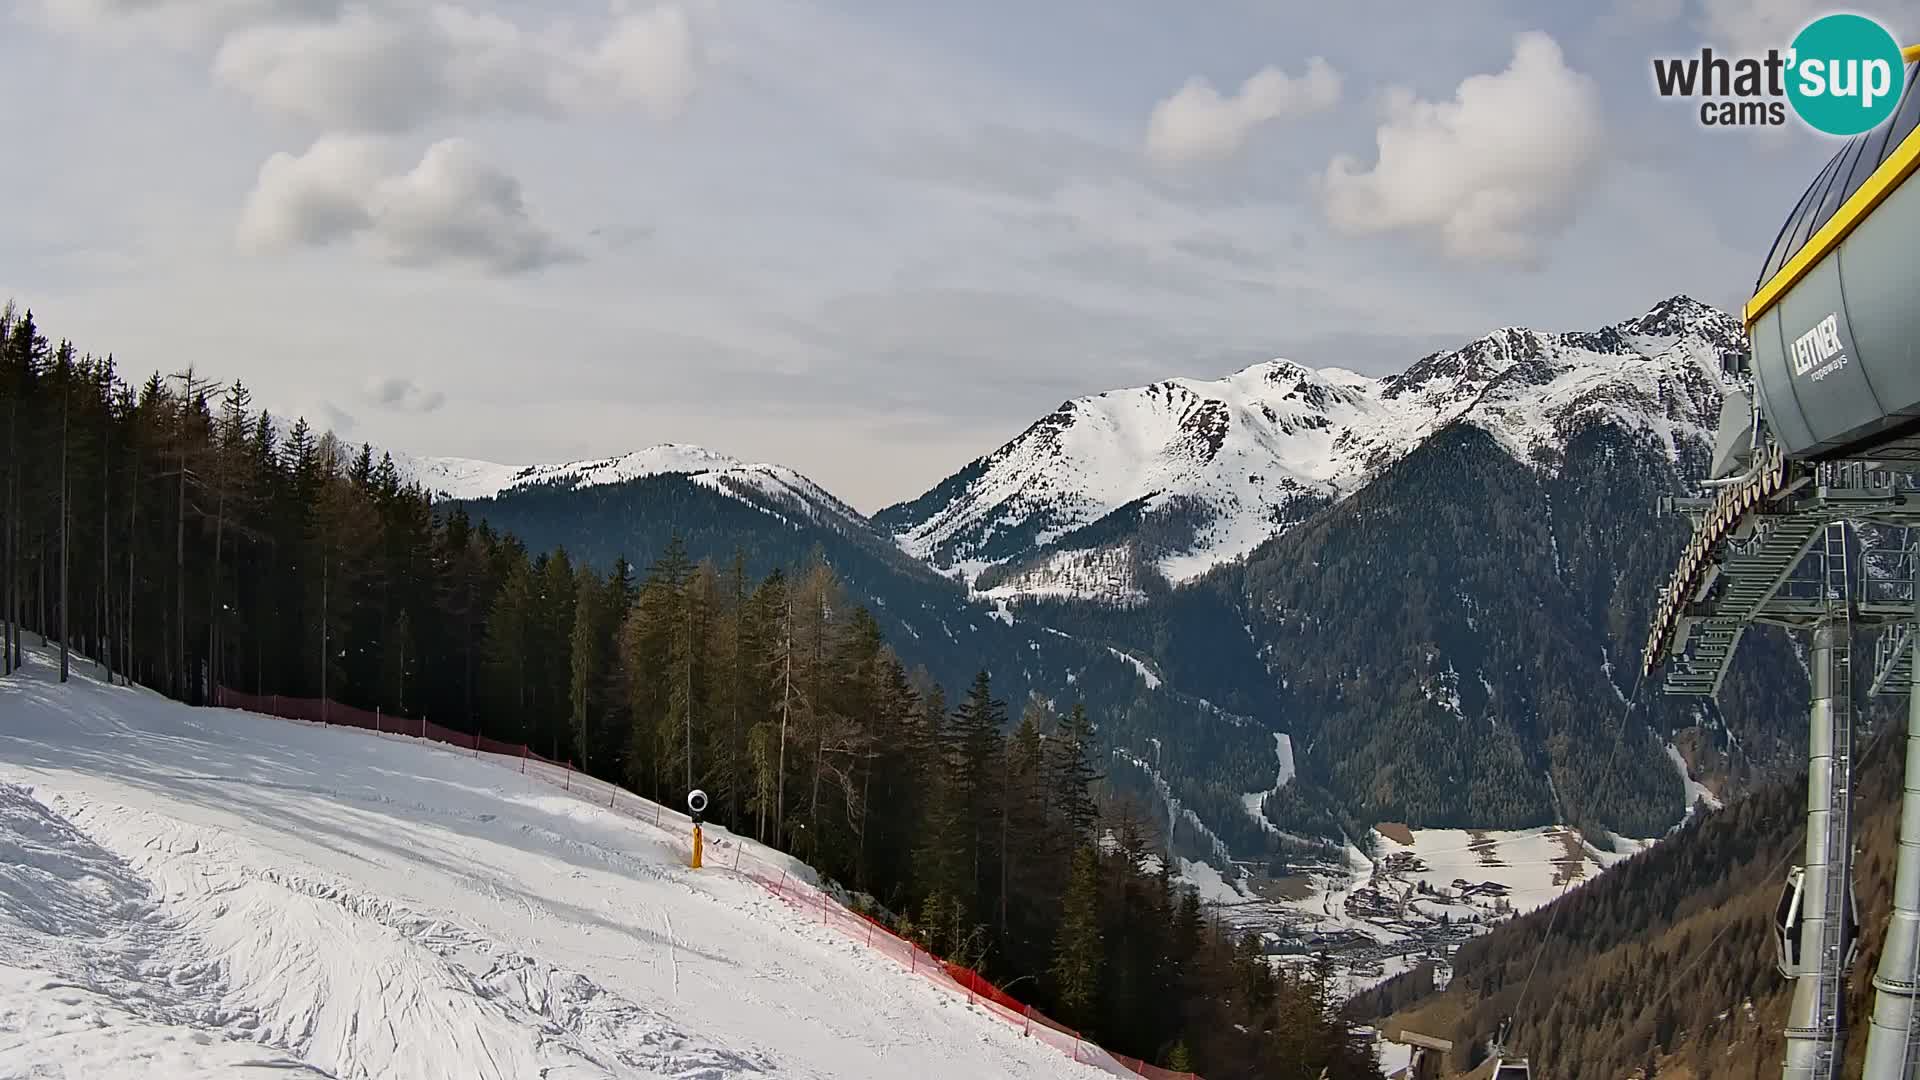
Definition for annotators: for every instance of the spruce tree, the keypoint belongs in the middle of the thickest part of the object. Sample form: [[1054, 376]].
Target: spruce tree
[[1077, 955]]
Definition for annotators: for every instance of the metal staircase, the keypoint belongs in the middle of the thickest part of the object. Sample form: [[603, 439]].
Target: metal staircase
[[1751, 571]]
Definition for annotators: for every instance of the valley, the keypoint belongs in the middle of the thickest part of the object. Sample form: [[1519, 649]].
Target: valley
[[1301, 602]]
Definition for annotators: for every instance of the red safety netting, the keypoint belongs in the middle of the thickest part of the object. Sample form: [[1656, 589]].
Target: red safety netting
[[728, 855]]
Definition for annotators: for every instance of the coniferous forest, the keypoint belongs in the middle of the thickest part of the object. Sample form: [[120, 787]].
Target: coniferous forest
[[176, 536]]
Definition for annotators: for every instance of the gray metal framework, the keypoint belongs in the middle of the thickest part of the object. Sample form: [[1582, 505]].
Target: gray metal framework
[[1748, 563]]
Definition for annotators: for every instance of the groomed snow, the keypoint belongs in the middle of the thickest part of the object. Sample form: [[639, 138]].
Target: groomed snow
[[199, 893]]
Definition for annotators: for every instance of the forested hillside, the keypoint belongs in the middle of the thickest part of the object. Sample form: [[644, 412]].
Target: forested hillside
[[1668, 958], [186, 541], [1209, 751], [1454, 644]]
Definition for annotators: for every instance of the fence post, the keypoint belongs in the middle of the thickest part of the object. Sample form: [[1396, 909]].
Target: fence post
[[737, 845], [523, 759], [1026, 1012], [376, 719]]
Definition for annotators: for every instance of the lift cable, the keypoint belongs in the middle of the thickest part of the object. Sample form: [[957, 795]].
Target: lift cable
[[1605, 774], [1779, 864]]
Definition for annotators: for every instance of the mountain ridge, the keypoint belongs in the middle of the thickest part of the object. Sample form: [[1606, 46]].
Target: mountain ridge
[[1269, 635], [1179, 476]]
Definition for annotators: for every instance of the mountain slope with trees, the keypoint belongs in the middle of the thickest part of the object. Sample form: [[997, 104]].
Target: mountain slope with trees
[[1447, 644], [1666, 962], [174, 533]]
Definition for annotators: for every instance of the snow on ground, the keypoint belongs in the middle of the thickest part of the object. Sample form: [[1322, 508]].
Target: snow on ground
[[1153, 681], [466, 478], [1283, 750], [1697, 792], [1533, 864], [1213, 888], [197, 893], [1393, 1056]]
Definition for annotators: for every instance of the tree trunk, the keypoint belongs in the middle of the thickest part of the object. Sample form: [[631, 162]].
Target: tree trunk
[[180, 573], [786, 703], [66, 621], [213, 586], [133, 544], [325, 562], [6, 554]]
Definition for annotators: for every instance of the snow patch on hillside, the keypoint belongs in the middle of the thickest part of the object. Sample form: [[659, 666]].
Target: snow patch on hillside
[[1207, 881], [1153, 681], [1252, 800], [1696, 792]]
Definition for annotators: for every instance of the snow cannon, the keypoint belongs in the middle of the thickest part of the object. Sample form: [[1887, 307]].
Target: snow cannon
[[1833, 327], [696, 805]]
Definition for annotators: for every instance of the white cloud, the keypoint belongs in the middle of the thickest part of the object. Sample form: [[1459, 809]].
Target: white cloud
[[1197, 124], [1490, 173], [452, 207], [401, 394], [1754, 26], [394, 69]]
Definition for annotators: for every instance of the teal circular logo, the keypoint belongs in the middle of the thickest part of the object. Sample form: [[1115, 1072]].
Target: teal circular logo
[[1845, 74]]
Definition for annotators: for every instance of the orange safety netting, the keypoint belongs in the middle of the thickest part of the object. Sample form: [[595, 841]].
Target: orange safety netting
[[807, 898]]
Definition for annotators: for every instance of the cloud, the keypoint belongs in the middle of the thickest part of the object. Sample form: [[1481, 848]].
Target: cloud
[[392, 70], [1197, 124], [1489, 174], [178, 23], [401, 395], [452, 207], [1754, 26], [621, 236]]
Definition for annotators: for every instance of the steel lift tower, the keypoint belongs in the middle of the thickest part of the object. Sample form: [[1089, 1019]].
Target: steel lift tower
[[1825, 449]]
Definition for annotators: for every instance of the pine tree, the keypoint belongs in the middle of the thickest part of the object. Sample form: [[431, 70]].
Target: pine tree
[[1078, 947], [586, 653], [1073, 774]]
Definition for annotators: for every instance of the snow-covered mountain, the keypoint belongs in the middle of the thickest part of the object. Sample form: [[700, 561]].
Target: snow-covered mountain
[[1184, 474], [758, 484]]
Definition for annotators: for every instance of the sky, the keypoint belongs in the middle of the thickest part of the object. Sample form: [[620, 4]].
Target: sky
[[869, 240]]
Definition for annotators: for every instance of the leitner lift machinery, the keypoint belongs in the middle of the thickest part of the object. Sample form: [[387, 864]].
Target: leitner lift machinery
[[1827, 443]]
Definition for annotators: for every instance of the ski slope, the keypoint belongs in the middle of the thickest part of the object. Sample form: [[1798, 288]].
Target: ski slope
[[200, 893]]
